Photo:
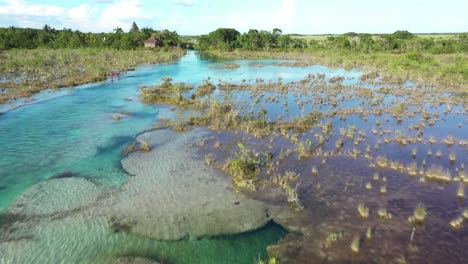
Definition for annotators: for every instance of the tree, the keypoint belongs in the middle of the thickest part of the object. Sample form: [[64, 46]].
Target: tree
[[403, 34], [134, 28], [277, 32], [118, 30]]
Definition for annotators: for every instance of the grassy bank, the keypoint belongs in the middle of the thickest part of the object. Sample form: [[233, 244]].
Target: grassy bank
[[26, 72], [448, 71]]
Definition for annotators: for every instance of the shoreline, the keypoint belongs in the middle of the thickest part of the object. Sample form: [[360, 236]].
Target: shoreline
[[65, 90], [66, 68]]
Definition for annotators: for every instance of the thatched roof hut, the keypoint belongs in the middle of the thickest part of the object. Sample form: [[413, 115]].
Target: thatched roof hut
[[152, 42]]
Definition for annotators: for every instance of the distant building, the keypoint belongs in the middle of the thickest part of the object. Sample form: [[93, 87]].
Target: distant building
[[152, 42]]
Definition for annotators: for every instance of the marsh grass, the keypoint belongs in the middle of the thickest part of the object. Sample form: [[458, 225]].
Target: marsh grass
[[27, 72], [245, 166], [167, 93], [393, 67]]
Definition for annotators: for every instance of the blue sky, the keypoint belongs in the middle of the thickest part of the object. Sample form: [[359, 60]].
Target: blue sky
[[190, 17]]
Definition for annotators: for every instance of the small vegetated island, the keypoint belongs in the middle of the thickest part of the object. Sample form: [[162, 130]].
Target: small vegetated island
[[361, 159]]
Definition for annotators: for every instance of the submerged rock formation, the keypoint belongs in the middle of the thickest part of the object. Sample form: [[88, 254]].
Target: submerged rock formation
[[175, 195]]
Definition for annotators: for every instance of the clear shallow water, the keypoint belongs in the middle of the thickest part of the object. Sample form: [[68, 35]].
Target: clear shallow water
[[75, 132]]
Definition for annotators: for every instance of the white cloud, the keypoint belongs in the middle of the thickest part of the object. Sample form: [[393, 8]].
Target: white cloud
[[121, 14], [18, 8], [82, 15], [103, 1], [186, 3]]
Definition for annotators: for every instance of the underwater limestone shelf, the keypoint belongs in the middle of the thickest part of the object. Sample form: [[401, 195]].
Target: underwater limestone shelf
[[175, 195], [171, 195], [54, 196]]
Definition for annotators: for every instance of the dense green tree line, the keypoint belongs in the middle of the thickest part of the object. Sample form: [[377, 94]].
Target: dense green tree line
[[28, 38], [227, 39]]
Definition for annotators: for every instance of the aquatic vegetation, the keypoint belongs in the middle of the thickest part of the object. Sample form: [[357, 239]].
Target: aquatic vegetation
[[383, 189], [412, 170], [376, 176], [369, 233], [231, 66], [355, 245], [363, 210], [304, 149], [332, 238], [457, 223], [429, 152], [271, 260], [244, 166], [382, 162], [449, 140], [166, 93], [461, 191], [144, 145], [339, 143], [314, 171], [419, 214], [414, 152], [293, 197], [435, 173], [452, 157], [209, 160], [438, 154], [383, 214], [368, 185], [205, 89], [465, 214]]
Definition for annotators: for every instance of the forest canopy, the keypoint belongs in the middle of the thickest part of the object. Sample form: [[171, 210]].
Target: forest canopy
[[48, 37]]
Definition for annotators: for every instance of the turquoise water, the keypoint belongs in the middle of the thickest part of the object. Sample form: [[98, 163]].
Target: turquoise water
[[74, 132]]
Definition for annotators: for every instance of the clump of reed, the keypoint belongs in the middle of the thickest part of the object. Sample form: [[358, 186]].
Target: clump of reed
[[383, 189], [383, 214], [382, 162], [304, 149], [449, 140], [376, 176], [369, 233], [438, 174], [465, 214], [205, 89], [412, 170], [419, 214], [461, 191], [355, 245], [144, 145], [452, 157], [284, 182], [457, 223], [314, 171], [231, 66], [244, 167], [363, 210], [166, 93], [293, 197]]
